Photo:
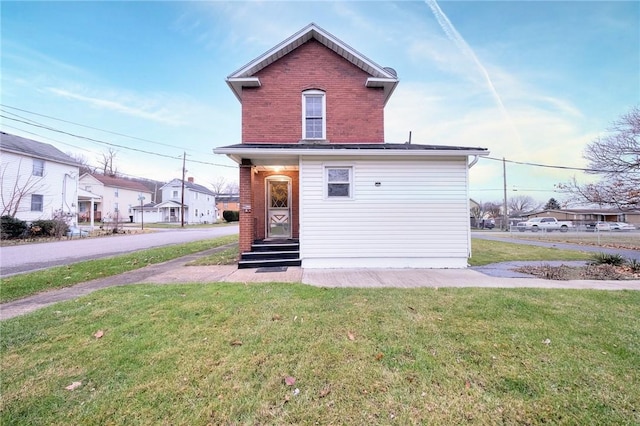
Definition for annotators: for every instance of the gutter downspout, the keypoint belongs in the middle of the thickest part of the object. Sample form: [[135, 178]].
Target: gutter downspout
[[470, 165]]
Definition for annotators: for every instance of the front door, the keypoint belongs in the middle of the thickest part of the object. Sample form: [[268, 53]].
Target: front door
[[278, 208]]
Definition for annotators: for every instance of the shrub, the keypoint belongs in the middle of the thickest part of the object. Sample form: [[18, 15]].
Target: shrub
[[11, 227], [41, 228], [634, 265], [607, 259], [231, 215]]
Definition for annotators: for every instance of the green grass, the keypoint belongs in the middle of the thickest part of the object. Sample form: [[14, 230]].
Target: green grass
[[224, 257], [485, 252], [174, 225], [18, 286], [218, 354]]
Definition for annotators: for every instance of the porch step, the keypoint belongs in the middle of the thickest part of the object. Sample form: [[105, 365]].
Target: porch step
[[269, 253], [246, 264]]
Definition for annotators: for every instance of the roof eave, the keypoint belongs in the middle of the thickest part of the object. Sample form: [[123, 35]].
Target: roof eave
[[237, 83], [237, 154], [301, 37]]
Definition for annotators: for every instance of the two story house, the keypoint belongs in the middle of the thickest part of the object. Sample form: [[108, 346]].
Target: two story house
[[38, 180], [199, 203], [110, 198], [315, 170]]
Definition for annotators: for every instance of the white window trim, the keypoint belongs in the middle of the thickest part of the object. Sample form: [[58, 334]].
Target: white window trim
[[37, 167], [41, 203], [325, 180], [314, 93]]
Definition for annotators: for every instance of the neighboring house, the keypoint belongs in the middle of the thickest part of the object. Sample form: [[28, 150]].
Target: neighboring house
[[113, 198], [314, 165], [38, 180], [227, 202], [584, 216], [199, 203]]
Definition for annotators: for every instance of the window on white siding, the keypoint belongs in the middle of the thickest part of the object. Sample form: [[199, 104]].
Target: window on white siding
[[339, 182], [174, 194], [38, 168], [115, 193], [313, 115], [37, 202], [196, 195], [116, 207]]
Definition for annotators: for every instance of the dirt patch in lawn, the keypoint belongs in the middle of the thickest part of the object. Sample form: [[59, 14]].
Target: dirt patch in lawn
[[587, 272]]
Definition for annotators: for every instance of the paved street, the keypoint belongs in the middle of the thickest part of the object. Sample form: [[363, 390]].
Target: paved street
[[31, 257]]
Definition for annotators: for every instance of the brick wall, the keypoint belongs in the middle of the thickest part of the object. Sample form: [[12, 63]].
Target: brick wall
[[246, 236], [259, 191], [272, 113]]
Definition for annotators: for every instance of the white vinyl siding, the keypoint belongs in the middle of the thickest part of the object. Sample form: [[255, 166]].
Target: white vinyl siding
[[403, 213]]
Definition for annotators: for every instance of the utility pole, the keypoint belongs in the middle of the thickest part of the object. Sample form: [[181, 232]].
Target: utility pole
[[184, 159], [505, 218]]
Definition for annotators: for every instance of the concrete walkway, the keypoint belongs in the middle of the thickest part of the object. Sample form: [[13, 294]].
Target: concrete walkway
[[176, 271]]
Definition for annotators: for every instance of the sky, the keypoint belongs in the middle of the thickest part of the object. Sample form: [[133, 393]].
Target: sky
[[532, 81]]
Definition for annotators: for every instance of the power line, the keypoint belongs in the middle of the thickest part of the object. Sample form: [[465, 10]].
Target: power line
[[109, 143], [524, 163], [91, 127]]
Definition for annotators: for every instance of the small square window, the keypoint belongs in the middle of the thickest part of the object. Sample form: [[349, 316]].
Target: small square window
[[37, 203], [339, 182], [174, 194], [38, 167]]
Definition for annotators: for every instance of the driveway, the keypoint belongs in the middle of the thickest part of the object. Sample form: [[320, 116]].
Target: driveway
[[32, 257]]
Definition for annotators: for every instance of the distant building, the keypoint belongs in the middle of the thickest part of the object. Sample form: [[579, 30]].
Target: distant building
[[38, 180]]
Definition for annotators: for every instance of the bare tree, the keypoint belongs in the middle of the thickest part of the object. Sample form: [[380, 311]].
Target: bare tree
[[521, 204], [232, 188], [218, 185], [13, 198], [83, 163], [616, 159], [106, 162]]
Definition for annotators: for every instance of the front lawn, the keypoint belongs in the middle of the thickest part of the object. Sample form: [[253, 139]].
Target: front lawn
[[220, 353]]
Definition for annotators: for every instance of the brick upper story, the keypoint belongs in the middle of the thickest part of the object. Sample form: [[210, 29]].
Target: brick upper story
[[272, 113]]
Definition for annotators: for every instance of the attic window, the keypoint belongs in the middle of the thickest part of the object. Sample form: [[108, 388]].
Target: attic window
[[313, 115]]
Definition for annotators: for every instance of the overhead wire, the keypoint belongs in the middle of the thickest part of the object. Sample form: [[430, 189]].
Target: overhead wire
[[110, 143]]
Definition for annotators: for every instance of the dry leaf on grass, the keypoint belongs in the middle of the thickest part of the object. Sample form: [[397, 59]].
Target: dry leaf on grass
[[236, 343], [98, 334], [275, 317], [379, 356], [289, 381], [351, 336], [325, 391], [73, 386]]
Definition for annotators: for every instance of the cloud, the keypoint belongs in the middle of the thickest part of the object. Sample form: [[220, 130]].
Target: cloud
[[145, 108]]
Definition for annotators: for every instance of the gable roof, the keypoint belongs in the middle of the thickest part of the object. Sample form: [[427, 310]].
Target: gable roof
[[31, 148], [116, 182], [190, 185], [383, 77]]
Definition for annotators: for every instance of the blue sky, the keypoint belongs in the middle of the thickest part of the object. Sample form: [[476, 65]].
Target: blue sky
[[531, 81]]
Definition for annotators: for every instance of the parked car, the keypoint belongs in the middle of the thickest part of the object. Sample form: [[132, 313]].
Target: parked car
[[77, 232], [609, 226], [547, 224], [621, 226]]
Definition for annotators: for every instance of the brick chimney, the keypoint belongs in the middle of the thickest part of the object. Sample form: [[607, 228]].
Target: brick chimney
[[190, 179]]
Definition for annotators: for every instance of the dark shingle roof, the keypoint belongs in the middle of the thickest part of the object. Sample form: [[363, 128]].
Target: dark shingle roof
[[354, 146], [20, 145], [116, 182]]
